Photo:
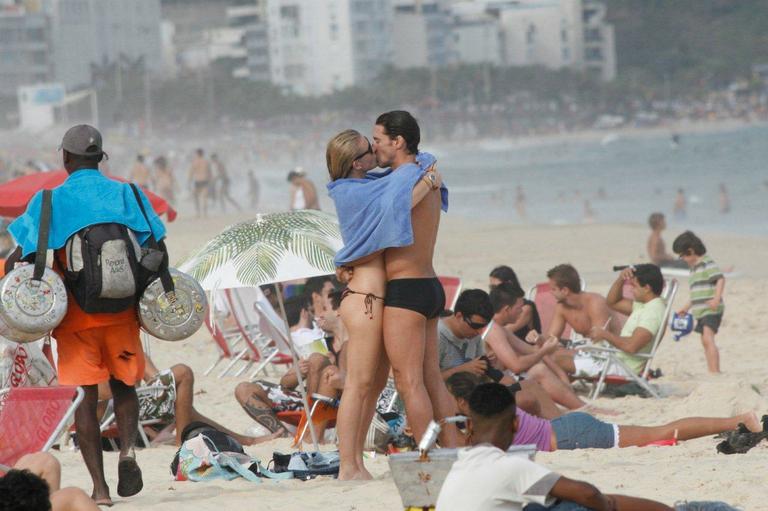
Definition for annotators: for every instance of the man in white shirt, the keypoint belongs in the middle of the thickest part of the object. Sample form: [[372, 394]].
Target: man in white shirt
[[486, 478]]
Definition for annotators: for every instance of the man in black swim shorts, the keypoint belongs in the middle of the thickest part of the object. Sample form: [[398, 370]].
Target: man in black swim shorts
[[414, 296]]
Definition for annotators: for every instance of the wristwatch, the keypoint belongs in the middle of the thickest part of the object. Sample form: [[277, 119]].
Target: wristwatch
[[431, 179]]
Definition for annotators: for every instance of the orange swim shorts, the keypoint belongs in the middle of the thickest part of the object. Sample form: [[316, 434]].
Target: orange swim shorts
[[92, 356]]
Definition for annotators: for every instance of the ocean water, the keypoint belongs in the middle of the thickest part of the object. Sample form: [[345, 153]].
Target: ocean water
[[624, 178]]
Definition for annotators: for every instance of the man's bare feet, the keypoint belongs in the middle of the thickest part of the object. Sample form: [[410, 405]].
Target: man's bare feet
[[102, 498], [254, 440], [751, 421]]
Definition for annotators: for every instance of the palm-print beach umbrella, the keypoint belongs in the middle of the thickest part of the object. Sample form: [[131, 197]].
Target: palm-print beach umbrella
[[275, 247]]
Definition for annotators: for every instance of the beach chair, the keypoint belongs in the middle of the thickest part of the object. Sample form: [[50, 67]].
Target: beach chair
[[452, 288], [33, 418], [278, 351], [323, 409], [108, 424], [247, 319], [229, 341], [610, 359]]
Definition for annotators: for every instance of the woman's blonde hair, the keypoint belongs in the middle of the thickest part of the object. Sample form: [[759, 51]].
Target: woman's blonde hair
[[341, 152]]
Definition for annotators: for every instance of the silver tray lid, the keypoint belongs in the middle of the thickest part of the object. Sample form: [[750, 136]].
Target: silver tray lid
[[173, 318], [29, 309]]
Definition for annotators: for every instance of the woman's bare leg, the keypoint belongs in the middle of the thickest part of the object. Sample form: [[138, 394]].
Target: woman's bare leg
[[368, 410], [364, 349], [687, 429]]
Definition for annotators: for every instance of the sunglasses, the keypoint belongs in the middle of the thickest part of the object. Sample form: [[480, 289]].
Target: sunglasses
[[367, 151], [473, 325]]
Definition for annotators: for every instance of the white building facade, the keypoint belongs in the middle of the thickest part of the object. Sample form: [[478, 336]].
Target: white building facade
[[317, 47]]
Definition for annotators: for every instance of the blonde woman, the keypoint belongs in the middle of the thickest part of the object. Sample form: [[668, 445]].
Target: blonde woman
[[374, 214]]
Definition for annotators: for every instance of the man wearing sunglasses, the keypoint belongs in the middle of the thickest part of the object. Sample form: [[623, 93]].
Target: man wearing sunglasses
[[462, 348]]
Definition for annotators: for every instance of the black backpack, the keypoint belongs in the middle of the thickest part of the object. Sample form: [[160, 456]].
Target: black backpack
[[106, 269]]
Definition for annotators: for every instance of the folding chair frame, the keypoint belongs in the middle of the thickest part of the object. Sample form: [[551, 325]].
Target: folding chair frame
[[610, 358]]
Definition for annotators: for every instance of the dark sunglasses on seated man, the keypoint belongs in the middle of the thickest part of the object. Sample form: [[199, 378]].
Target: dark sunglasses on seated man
[[474, 326]]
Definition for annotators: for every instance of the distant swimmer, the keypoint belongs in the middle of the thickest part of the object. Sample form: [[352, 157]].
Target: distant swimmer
[[589, 213], [520, 202], [725, 200], [679, 209], [674, 142]]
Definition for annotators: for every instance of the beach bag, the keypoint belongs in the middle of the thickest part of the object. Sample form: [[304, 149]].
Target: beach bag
[[307, 465], [106, 268], [211, 454]]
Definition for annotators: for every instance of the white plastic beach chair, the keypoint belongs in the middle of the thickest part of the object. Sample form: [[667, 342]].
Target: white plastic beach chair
[[608, 355], [108, 425]]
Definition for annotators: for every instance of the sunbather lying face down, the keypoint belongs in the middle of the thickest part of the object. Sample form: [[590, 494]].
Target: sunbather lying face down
[[578, 430]]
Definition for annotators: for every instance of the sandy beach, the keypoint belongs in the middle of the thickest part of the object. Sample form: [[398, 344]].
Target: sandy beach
[[690, 471]]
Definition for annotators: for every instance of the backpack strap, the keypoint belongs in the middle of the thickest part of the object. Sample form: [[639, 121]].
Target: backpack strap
[[43, 231], [164, 274]]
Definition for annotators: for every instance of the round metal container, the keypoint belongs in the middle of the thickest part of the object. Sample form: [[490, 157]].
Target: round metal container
[[29, 309], [173, 316]]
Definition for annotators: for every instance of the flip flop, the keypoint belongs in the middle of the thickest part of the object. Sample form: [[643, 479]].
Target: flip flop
[[128, 477], [107, 502]]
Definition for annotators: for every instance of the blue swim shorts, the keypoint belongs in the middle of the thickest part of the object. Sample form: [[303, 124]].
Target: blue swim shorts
[[579, 430]]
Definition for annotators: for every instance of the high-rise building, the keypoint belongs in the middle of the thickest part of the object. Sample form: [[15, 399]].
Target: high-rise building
[[25, 50], [316, 47], [85, 33], [421, 34], [552, 33]]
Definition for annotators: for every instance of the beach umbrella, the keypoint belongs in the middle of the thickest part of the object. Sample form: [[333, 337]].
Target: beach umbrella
[[270, 248], [274, 247], [16, 193]]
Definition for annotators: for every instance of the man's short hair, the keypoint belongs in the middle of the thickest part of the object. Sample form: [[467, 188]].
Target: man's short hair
[[654, 221], [293, 308], [505, 274], [688, 242], [316, 284], [21, 490], [566, 276], [505, 293], [650, 275], [490, 400], [474, 302], [335, 297], [462, 384], [401, 123]]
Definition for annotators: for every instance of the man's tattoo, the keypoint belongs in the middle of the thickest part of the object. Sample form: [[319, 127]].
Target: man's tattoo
[[261, 414]]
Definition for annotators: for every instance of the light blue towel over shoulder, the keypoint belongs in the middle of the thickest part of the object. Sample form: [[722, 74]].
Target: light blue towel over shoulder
[[375, 211], [86, 198]]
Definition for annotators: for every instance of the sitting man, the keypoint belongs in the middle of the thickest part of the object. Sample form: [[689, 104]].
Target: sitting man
[[33, 484], [168, 397], [577, 308], [306, 336], [461, 348], [486, 478], [520, 357], [263, 400], [646, 317]]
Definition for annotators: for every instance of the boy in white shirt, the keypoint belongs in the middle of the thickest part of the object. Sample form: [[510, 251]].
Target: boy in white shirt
[[485, 478]]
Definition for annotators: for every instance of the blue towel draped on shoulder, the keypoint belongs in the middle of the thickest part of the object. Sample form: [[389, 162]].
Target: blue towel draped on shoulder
[[86, 198], [375, 211]]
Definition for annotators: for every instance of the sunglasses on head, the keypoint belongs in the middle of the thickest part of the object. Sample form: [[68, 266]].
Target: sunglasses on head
[[474, 326]]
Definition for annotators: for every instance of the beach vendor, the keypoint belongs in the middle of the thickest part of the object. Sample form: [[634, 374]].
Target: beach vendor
[[94, 347], [374, 211]]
